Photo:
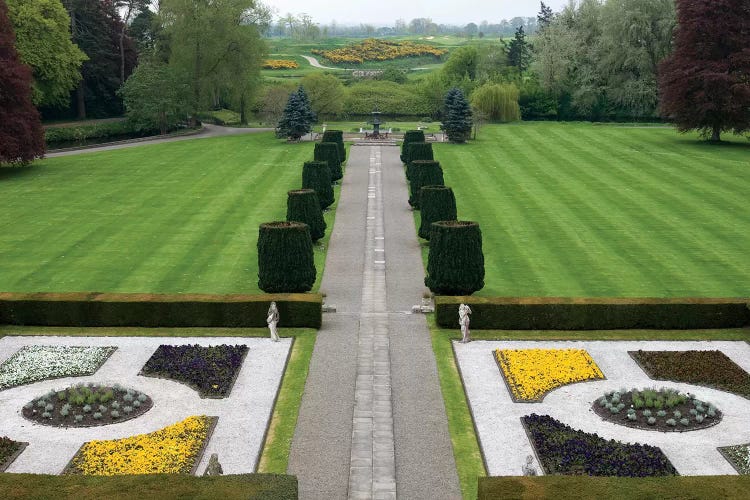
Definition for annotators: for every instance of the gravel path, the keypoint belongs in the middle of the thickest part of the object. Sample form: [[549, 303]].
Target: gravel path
[[504, 441], [245, 414], [316, 64]]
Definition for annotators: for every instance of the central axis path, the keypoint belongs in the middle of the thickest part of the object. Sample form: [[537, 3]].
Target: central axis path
[[372, 422]]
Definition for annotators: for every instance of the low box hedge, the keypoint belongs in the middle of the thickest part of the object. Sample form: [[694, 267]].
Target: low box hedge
[[554, 313], [152, 311]]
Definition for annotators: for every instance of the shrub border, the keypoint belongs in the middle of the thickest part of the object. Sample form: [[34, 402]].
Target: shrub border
[[560, 313], [91, 309]]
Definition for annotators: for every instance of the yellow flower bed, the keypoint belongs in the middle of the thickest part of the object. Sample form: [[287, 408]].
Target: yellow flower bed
[[280, 64], [532, 373], [374, 49], [171, 450]]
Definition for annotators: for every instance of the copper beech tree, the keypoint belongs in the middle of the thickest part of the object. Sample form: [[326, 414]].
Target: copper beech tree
[[704, 83], [21, 135]]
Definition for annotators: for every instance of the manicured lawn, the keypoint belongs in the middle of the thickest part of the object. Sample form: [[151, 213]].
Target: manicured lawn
[[590, 210], [171, 218]]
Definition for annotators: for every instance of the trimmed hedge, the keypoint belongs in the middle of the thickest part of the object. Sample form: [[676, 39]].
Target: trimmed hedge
[[302, 205], [425, 173], [455, 263], [329, 153], [317, 176], [285, 257], [336, 136], [82, 309], [409, 137], [437, 203], [417, 151], [554, 313]]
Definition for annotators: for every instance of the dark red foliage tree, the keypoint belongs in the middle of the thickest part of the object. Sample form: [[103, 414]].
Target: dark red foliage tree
[[705, 83], [21, 135]]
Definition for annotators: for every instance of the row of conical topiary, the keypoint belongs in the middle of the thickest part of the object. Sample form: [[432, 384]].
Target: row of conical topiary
[[285, 248], [455, 264]]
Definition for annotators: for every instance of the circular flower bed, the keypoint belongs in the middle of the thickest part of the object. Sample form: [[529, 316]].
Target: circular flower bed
[[87, 405], [663, 410]]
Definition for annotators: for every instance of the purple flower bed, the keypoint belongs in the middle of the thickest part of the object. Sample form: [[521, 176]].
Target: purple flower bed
[[565, 451], [210, 370]]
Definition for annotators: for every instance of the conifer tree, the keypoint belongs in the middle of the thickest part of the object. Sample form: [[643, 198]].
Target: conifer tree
[[518, 51], [297, 118], [21, 134], [457, 123]]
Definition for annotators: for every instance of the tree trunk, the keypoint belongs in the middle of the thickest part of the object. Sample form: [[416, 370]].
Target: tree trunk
[[716, 134], [122, 55], [80, 95], [243, 114]]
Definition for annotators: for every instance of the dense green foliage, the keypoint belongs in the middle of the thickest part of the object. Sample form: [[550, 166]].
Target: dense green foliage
[[62, 136], [326, 93], [582, 210], [425, 173], [329, 153], [390, 98], [297, 118], [455, 263], [302, 205], [336, 136], [409, 137], [317, 176], [417, 151], [285, 258], [519, 51], [457, 121], [437, 203], [497, 102], [155, 97]]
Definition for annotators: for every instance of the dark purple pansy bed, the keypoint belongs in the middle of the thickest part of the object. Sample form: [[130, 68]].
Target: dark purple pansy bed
[[563, 450], [209, 370]]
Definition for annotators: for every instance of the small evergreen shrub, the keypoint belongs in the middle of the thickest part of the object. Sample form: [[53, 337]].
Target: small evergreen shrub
[[302, 205], [317, 176], [457, 122], [424, 173], [285, 257], [409, 137], [417, 151], [455, 263], [329, 153], [336, 136]]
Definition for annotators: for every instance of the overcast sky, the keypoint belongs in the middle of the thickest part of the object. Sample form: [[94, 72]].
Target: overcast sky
[[385, 12]]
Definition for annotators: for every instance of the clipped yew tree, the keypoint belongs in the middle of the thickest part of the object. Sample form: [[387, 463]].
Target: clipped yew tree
[[455, 264], [424, 173], [438, 203], [302, 205], [316, 176], [336, 136], [329, 153], [417, 151], [285, 258], [409, 137]]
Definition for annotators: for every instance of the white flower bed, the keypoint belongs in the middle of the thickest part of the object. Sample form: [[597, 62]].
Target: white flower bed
[[34, 363]]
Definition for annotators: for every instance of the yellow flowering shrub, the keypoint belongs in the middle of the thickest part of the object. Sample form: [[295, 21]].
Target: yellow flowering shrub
[[374, 49], [532, 373], [280, 64], [171, 450]]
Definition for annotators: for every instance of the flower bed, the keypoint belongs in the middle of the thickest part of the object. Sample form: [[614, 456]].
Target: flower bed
[[210, 370], [374, 49], [563, 450], [280, 64], [87, 406], [176, 449], [34, 363], [660, 410], [738, 456], [9, 450], [531, 373], [707, 368]]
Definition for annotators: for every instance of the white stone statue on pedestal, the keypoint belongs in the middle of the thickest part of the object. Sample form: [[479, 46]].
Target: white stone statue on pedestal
[[463, 319], [272, 320]]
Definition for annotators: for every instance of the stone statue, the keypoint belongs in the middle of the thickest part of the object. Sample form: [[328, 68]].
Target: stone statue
[[528, 468], [272, 320], [464, 320], [214, 467]]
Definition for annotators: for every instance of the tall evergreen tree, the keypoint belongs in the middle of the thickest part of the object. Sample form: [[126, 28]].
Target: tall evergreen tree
[[297, 118], [518, 51], [544, 17], [457, 122], [704, 83], [21, 135], [306, 105]]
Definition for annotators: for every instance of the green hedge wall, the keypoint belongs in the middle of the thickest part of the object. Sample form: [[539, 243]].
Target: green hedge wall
[[552, 313], [409, 137], [417, 151], [336, 136], [424, 173], [152, 311], [329, 153]]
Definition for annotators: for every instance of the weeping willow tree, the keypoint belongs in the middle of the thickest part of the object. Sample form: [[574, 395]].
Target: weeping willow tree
[[497, 101]]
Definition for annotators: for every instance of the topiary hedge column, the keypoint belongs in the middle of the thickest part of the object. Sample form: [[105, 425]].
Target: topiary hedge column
[[417, 151], [424, 173], [285, 258], [302, 205], [329, 153], [455, 265], [438, 203], [316, 176], [336, 136], [409, 137]]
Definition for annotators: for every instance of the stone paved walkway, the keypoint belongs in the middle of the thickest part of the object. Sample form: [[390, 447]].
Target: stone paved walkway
[[372, 422]]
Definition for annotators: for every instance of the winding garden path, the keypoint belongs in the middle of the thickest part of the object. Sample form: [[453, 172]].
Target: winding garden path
[[372, 422]]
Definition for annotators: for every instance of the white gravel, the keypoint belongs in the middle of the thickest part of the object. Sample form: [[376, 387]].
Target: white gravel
[[243, 416], [504, 442]]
